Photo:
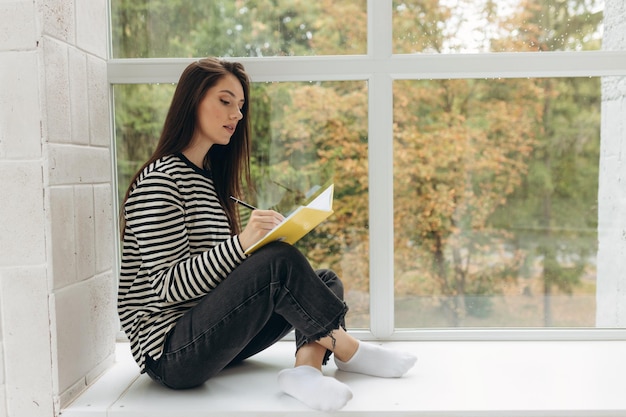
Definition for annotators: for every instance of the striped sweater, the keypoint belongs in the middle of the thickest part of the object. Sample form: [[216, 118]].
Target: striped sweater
[[177, 247]]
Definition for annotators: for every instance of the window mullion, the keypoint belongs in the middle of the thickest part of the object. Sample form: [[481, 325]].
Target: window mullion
[[380, 171]]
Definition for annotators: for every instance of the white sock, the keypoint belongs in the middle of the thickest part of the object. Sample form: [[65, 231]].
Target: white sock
[[309, 385], [379, 361]]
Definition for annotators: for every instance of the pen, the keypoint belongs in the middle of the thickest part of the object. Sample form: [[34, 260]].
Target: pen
[[243, 203]]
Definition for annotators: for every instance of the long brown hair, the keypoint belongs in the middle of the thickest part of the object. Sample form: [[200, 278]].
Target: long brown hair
[[229, 164]]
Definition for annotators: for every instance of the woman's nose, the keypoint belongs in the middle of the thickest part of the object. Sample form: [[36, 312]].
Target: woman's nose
[[237, 114]]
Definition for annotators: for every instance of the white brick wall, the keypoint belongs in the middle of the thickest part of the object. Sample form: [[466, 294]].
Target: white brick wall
[[23, 275], [92, 26], [26, 341], [18, 31], [611, 290], [57, 287], [20, 133]]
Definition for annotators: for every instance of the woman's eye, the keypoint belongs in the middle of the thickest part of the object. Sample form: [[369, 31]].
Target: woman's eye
[[224, 102]]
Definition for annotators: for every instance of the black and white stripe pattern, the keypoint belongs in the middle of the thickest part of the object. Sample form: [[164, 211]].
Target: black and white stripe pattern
[[177, 247]]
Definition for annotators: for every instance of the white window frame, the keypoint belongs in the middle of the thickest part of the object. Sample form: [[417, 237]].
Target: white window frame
[[380, 67]]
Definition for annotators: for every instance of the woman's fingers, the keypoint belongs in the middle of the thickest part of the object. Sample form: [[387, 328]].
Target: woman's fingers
[[265, 219], [260, 222]]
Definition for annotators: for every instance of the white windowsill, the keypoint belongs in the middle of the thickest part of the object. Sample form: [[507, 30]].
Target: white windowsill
[[486, 378]]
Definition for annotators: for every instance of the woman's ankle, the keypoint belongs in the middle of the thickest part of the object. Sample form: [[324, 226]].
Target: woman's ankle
[[311, 354], [345, 347]]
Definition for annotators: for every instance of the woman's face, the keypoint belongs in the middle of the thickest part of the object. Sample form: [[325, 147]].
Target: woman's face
[[219, 112]]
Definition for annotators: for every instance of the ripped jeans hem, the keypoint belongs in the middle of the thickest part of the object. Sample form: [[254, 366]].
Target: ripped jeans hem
[[338, 322]]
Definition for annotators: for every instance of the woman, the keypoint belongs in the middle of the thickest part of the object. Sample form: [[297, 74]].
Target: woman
[[190, 300]]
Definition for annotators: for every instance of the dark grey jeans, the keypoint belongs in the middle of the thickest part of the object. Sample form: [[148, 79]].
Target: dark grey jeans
[[272, 292]]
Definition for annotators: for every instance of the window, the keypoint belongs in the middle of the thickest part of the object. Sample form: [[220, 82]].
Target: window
[[483, 26], [463, 138], [188, 28], [495, 192]]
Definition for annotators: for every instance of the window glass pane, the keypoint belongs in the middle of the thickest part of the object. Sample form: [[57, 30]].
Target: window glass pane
[[243, 28], [140, 111], [495, 193], [305, 135], [451, 26]]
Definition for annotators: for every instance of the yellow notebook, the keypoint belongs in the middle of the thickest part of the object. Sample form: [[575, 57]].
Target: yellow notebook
[[300, 222]]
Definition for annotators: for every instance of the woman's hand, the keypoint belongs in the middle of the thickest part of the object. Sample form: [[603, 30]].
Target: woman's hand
[[260, 222]]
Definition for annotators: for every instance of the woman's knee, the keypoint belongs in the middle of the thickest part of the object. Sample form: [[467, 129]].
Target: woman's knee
[[284, 254], [281, 249], [332, 281], [287, 258]]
